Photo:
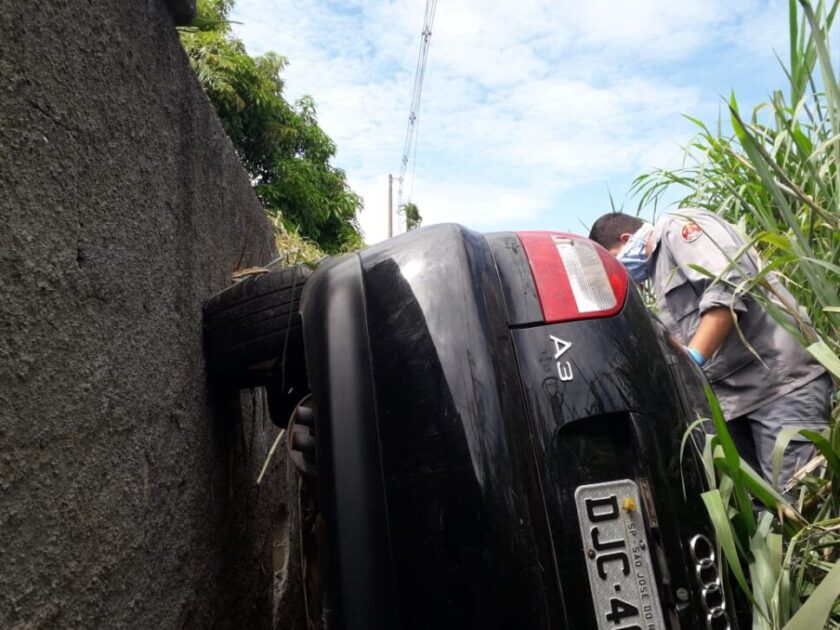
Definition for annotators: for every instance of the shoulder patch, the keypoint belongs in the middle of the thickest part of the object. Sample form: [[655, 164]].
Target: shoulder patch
[[691, 232]]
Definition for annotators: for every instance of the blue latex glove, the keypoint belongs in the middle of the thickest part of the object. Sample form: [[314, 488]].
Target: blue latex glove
[[698, 358]]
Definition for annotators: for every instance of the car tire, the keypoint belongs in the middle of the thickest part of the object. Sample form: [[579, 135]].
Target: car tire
[[253, 334]]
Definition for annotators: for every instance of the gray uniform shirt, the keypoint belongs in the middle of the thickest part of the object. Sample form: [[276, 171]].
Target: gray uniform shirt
[[741, 381]]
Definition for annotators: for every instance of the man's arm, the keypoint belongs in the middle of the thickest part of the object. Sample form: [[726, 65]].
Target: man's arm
[[715, 325], [701, 247]]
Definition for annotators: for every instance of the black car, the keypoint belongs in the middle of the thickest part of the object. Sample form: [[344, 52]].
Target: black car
[[489, 429]]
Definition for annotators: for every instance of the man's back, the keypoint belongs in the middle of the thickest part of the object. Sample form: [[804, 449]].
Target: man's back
[[758, 362]]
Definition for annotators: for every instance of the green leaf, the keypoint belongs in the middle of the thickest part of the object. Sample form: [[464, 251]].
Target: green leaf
[[824, 447], [723, 531], [816, 609], [822, 353], [754, 484], [697, 425], [287, 156], [732, 458], [774, 238], [784, 438], [764, 569]]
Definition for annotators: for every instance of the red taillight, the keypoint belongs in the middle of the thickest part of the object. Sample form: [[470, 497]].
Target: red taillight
[[575, 277]]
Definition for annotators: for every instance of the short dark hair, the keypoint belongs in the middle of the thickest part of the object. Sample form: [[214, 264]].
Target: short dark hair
[[607, 230]]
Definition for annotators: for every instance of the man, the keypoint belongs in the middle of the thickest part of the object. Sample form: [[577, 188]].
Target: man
[[783, 385]]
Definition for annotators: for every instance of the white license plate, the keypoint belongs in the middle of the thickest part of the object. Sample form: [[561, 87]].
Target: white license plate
[[618, 556]]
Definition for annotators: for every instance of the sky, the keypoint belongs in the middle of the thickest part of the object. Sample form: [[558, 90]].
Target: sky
[[534, 112]]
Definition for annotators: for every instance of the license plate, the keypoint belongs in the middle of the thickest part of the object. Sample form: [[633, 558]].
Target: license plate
[[618, 556]]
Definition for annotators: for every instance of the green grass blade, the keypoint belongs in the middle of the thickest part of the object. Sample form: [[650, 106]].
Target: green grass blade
[[689, 435], [763, 570], [723, 531], [824, 447], [732, 458], [822, 353], [815, 610], [832, 460]]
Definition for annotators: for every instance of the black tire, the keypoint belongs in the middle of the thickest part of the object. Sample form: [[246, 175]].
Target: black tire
[[253, 334]]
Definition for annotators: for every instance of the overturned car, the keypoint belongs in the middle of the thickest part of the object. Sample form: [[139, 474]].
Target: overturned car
[[489, 431]]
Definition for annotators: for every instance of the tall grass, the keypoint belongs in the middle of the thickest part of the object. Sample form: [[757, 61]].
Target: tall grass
[[777, 176], [293, 247]]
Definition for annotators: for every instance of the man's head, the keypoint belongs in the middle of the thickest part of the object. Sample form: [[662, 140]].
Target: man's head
[[613, 230]]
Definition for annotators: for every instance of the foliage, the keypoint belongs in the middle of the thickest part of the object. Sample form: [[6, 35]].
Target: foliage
[[777, 176], [296, 249], [412, 216], [287, 155], [786, 558]]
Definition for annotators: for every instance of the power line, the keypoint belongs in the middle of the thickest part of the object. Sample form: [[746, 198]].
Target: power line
[[412, 130]]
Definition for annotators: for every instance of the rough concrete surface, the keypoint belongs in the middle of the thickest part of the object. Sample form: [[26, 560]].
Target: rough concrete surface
[[127, 484]]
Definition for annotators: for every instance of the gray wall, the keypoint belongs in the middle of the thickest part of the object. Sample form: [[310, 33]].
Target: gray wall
[[127, 487]]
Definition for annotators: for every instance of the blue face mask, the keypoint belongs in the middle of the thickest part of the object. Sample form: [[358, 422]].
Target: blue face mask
[[633, 255]]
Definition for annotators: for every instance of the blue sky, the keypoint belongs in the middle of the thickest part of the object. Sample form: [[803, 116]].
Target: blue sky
[[532, 109]]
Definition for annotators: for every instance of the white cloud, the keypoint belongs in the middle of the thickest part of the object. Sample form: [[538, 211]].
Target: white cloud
[[524, 99], [481, 206]]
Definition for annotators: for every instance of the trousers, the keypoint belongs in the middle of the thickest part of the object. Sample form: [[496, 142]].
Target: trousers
[[808, 407]]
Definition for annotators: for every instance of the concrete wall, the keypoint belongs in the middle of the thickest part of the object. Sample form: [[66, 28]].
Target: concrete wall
[[127, 488]]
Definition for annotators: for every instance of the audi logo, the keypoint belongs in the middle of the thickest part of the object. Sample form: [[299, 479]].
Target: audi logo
[[708, 578]]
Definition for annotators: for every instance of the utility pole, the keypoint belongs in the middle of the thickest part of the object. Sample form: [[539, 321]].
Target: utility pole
[[390, 206]]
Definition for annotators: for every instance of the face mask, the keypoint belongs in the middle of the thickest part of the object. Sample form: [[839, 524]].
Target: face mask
[[633, 256]]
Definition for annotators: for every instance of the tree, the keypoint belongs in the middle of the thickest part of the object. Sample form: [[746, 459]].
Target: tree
[[412, 216], [287, 155]]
